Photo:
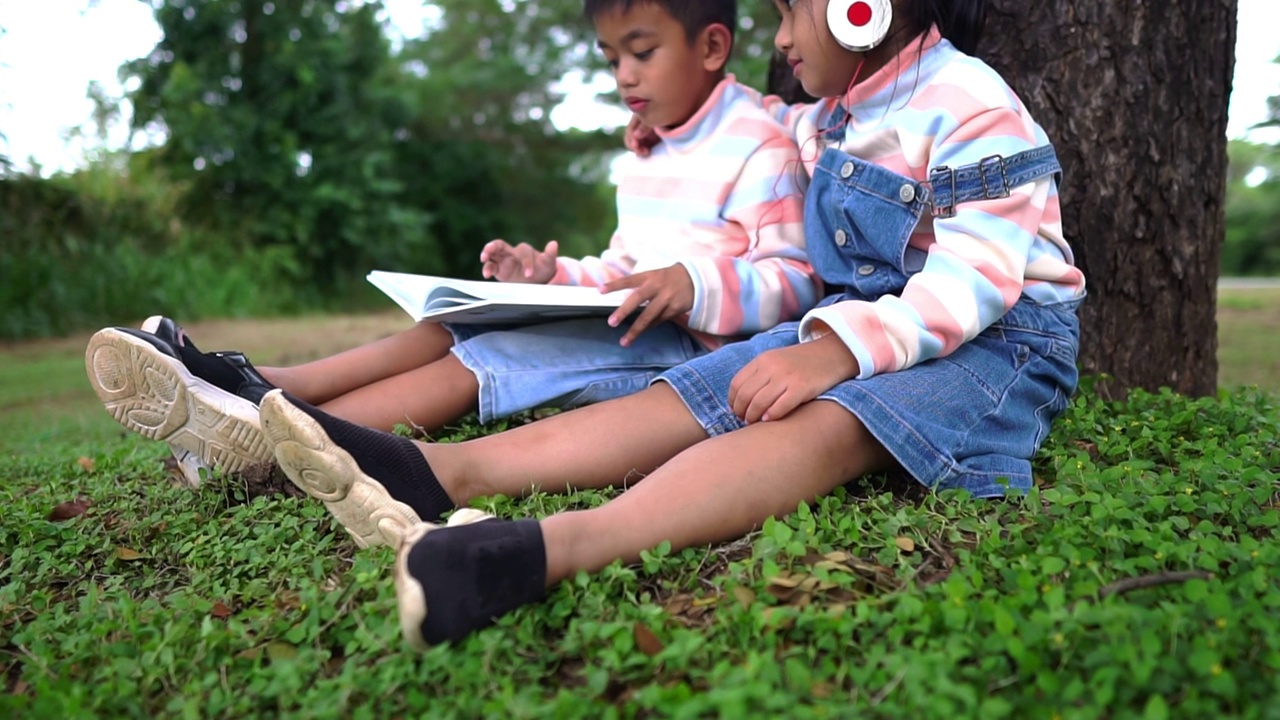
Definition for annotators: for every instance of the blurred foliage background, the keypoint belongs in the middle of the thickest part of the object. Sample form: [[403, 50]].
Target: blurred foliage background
[[302, 147]]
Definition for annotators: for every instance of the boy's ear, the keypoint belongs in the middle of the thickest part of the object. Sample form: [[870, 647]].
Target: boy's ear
[[716, 42]]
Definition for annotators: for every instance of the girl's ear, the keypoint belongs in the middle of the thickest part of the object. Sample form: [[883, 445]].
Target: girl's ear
[[716, 44]]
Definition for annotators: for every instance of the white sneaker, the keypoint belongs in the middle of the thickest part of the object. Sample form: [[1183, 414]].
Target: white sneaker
[[145, 386]]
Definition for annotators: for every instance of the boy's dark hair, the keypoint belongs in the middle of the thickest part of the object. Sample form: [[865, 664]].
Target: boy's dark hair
[[693, 15], [959, 21]]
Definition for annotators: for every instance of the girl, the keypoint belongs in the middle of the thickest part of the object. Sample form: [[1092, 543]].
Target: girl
[[947, 351]]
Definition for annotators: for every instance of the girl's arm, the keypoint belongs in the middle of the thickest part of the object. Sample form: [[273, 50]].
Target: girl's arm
[[974, 271], [772, 281]]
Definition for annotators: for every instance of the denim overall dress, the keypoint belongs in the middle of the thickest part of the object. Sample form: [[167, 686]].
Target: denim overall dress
[[971, 420]]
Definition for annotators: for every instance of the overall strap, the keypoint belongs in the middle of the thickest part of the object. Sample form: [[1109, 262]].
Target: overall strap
[[990, 178]]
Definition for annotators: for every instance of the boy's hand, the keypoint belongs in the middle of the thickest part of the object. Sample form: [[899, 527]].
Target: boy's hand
[[669, 292], [781, 380], [522, 263], [640, 138]]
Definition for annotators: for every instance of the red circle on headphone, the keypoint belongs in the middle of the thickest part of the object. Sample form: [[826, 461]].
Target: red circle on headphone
[[860, 14]]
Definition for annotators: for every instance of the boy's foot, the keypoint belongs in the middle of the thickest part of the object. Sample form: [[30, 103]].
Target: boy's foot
[[143, 383], [229, 370], [454, 580], [375, 484]]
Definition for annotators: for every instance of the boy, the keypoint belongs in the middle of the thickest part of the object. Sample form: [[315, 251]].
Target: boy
[[709, 241]]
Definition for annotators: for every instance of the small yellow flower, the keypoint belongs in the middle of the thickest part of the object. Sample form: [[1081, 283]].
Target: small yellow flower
[[1058, 639], [1189, 490], [1159, 555], [1216, 669], [1046, 588], [1253, 554], [1222, 623]]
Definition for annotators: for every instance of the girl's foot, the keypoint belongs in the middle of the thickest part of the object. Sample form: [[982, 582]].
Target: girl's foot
[[454, 580], [142, 381], [377, 485]]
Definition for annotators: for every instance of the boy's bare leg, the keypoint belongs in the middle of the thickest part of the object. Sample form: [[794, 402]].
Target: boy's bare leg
[[718, 490], [427, 397], [611, 443], [322, 380]]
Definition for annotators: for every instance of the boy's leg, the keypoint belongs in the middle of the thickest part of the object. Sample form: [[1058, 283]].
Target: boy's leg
[[323, 380], [428, 397]]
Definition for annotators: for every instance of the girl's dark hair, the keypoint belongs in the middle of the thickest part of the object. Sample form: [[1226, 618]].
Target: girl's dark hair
[[960, 21], [693, 15]]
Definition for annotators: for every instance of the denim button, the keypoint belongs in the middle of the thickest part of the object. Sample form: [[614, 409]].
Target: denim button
[[866, 269], [907, 193], [841, 237], [846, 170]]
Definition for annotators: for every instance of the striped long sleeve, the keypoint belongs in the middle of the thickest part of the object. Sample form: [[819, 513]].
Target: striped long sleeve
[[723, 196], [980, 261]]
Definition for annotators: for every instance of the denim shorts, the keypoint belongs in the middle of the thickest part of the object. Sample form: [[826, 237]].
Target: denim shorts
[[970, 420], [564, 364]]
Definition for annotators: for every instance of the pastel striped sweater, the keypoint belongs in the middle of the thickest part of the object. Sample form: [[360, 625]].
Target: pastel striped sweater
[[927, 108], [723, 195]]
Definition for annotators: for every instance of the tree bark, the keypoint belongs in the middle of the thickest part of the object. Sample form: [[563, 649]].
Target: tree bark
[[1133, 95]]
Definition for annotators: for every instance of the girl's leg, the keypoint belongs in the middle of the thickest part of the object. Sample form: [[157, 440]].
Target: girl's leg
[[452, 581], [718, 490], [596, 446], [323, 380], [378, 485]]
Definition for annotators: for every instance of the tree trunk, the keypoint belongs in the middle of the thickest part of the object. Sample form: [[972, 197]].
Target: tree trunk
[[1134, 96]]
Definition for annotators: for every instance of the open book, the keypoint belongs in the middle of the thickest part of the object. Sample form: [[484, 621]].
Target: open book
[[426, 297]]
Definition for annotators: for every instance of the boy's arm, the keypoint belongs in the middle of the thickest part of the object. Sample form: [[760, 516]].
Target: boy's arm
[[772, 282], [974, 271], [592, 271], [788, 115]]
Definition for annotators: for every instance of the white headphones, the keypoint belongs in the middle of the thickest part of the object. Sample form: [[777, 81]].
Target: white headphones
[[859, 25]]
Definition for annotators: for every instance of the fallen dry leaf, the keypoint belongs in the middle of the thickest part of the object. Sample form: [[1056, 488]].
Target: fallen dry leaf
[[744, 596], [252, 653], [648, 643], [838, 556], [67, 510], [86, 463], [20, 687], [905, 544], [279, 650], [127, 554], [220, 610], [787, 581]]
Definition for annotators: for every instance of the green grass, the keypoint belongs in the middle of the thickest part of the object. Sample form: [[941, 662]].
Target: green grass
[[1249, 338], [879, 601]]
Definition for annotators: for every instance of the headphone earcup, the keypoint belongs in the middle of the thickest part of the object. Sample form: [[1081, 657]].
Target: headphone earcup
[[859, 25]]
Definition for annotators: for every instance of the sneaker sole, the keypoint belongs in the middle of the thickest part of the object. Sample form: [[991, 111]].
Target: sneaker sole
[[328, 473], [411, 597], [156, 396]]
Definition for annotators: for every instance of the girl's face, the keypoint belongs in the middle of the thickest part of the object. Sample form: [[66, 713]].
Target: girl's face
[[823, 67]]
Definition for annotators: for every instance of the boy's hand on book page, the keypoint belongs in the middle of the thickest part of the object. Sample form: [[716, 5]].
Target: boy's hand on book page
[[781, 380], [522, 263], [668, 292], [640, 138]]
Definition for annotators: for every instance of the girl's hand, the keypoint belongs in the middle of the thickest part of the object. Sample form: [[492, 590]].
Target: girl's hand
[[522, 263], [640, 138], [781, 380], [668, 291]]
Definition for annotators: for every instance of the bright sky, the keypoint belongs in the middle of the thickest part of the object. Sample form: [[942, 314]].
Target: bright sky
[[53, 49]]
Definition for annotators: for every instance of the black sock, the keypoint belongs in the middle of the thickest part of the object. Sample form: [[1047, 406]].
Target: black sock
[[391, 460], [473, 574]]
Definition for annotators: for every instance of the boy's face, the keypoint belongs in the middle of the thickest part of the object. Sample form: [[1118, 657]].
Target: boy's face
[[661, 76]]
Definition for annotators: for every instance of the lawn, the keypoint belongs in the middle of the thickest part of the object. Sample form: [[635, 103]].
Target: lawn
[[1138, 580]]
